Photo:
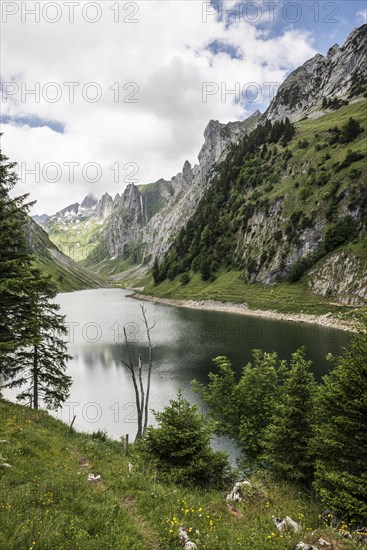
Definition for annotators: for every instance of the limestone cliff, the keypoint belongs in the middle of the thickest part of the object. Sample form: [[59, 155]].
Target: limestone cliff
[[340, 74]]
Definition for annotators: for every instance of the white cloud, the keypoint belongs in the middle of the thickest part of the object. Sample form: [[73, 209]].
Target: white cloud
[[362, 16], [166, 55]]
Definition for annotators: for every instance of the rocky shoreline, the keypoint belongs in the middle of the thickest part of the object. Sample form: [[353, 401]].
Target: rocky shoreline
[[326, 321]]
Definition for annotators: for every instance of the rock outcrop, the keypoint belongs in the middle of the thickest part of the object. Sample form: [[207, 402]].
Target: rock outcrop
[[334, 75], [341, 275], [104, 207]]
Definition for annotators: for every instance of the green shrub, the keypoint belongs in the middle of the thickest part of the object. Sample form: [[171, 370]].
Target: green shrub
[[343, 231], [322, 178], [180, 446], [350, 158], [350, 131], [303, 144], [185, 278], [300, 267]]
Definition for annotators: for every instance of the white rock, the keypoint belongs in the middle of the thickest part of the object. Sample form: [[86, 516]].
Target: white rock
[[236, 493], [324, 543], [305, 546], [93, 478], [283, 523], [190, 545]]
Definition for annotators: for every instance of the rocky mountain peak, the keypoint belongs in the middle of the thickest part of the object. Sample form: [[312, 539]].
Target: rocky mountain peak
[[218, 137], [333, 50], [332, 76], [89, 201], [104, 207]]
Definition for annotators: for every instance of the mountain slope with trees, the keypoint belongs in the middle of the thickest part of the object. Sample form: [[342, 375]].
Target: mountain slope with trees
[[289, 200]]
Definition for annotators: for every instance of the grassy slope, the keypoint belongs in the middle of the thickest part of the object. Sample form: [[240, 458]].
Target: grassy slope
[[67, 277], [47, 502], [315, 132], [228, 287], [67, 274], [76, 240]]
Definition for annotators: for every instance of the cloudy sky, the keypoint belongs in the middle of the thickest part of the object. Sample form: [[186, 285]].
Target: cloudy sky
[[98, 94]]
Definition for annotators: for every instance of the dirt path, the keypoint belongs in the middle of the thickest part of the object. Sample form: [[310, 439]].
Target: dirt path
[[149, 536]]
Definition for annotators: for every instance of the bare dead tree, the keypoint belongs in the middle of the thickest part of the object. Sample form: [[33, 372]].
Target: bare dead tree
[[137, 374], [150, 365]]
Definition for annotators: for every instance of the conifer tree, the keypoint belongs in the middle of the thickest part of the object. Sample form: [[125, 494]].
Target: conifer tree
[[340, 441], [243, 409], [39, 369], [15, 263], [156, 274], [350, 131], [287, 438], [32, 351], [181, 445]]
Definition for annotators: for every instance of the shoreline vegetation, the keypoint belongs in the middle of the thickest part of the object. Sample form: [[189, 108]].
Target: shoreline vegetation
[[325, 321]]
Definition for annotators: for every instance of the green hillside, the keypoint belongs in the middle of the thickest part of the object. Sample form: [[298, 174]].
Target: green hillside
[[77, 240], [280, 187], [47, 501], [66, 274]]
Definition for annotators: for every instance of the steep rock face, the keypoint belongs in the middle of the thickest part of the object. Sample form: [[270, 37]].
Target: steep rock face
[[131, 223], [332, 76], [192, 183], [258, 238], [342, 275], [125, 222], [104, 207], [154, 196], [218, 137]]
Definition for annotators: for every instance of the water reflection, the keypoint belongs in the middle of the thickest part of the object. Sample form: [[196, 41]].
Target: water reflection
[[185, 341]]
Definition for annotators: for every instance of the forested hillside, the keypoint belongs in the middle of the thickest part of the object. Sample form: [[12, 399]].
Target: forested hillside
[[289, 199]]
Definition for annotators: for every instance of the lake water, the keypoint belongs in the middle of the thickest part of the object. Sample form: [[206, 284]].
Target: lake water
[[185, 341]]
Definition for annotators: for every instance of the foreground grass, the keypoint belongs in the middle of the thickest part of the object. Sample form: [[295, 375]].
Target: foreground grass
[[46, 501]]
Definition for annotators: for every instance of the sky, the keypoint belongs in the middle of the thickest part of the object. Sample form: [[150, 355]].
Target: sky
[[97, 95]]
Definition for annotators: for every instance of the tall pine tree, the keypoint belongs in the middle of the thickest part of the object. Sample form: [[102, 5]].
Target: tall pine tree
[[15, 263], [340, 441], [287, 438], [33, 353], [40, 366]]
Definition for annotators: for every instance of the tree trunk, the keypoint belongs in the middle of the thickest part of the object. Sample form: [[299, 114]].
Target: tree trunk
[[35, 377], [141, 410], [150, 364]]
